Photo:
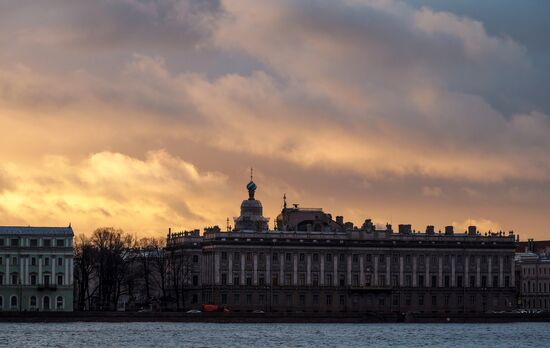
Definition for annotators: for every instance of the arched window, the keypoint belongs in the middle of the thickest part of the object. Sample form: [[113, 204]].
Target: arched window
[[46, 303], [32, 301], [13, 301], [59, 302]]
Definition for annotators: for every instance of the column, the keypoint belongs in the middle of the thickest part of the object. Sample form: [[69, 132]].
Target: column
[[268, 268], [414, 281], [8, 277], [281, 268], [53, 261], [295, 269], [478, 271], [490, 271], [440, 273], [362, 270], [376, 270], [501, 272], [388, 270], [243, 280], [66, 278], [22, 270], [308, 274], [255, 267], [512, 275], [230, 268], [466, 271], [217, 276], [427, 280], [322, 269], [39, 260], [27, 278], [401, 276], [453, 271], [335, 264], [71, 270], [348, 271]]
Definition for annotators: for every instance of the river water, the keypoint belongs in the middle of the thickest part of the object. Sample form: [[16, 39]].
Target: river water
[[273, 335]]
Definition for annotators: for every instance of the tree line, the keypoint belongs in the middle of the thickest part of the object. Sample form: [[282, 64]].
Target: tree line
[[114, 270]]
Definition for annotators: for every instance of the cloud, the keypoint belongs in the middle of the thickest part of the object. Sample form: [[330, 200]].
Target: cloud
[[143, 195]]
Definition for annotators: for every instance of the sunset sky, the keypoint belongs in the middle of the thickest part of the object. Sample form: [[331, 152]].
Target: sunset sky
[[145, 115]]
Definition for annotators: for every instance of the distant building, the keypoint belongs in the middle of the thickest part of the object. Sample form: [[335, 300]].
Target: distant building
[[36, 268], [533, 269], [312, 263]]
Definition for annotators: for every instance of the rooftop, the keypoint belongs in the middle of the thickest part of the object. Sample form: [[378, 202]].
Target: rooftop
[[37, 231]]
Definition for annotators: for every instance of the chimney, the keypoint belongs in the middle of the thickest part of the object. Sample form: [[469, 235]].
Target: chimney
[[405, 229], [449, 230], [340, 220], [472, 230], [430, 230]]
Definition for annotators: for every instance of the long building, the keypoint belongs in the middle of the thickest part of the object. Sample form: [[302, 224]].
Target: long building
[[36, 268], [311, 262]]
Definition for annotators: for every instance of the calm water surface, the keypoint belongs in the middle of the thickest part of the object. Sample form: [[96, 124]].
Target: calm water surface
[[273, 335]]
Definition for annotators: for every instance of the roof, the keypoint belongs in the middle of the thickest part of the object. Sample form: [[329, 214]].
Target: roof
[[37, 231]]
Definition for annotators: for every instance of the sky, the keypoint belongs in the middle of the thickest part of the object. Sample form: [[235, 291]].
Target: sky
[[147, 115]]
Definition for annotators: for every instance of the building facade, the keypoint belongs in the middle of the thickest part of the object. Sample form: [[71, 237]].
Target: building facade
[[36, 268], [312, 263], [533, 271]]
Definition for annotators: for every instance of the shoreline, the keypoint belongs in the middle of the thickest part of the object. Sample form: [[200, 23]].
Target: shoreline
[[249, 318]]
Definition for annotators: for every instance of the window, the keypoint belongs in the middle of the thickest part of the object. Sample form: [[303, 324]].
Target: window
[[288, 257], [459, 281], [355, 280], [328, 258], [459, 299], [275, 257], [1, 260], [368, 258], [382, 259], [33, 279], [274, 280], [495, 281], [408, 300], [195, 280], [342, 279], [248, 279], [355, 259], [33, 261], [315, 299], [342, 258], [14, 242], [224, 278], [46, 280], [472, 281], [315, 257], [420, 300], [395, 300], [315, 279], [248, 299], [507, 281], [236, 257], [434, 281], [1, 242], [46, 261], [46, 303], [34, 243], [472, 300], [261, 299], [342, 300], [329, 300], [224, 298], [421, 281], [59, 302], [248, 257], [434, 300], [195, 299], [13, 301], [14, 261], [47, 243], [261, 280], [408, 280], [32, 301], [328, 279], [224, 255], [302, 257], [195, 258], [302, 279], [287, 278], [275, 299], [447, 281], [447, 300], [302, 300], [14, 279], [59, 279], [59, 243], [236, 298], [483, 281], [289, 300], [60, 261], [1, 279]]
